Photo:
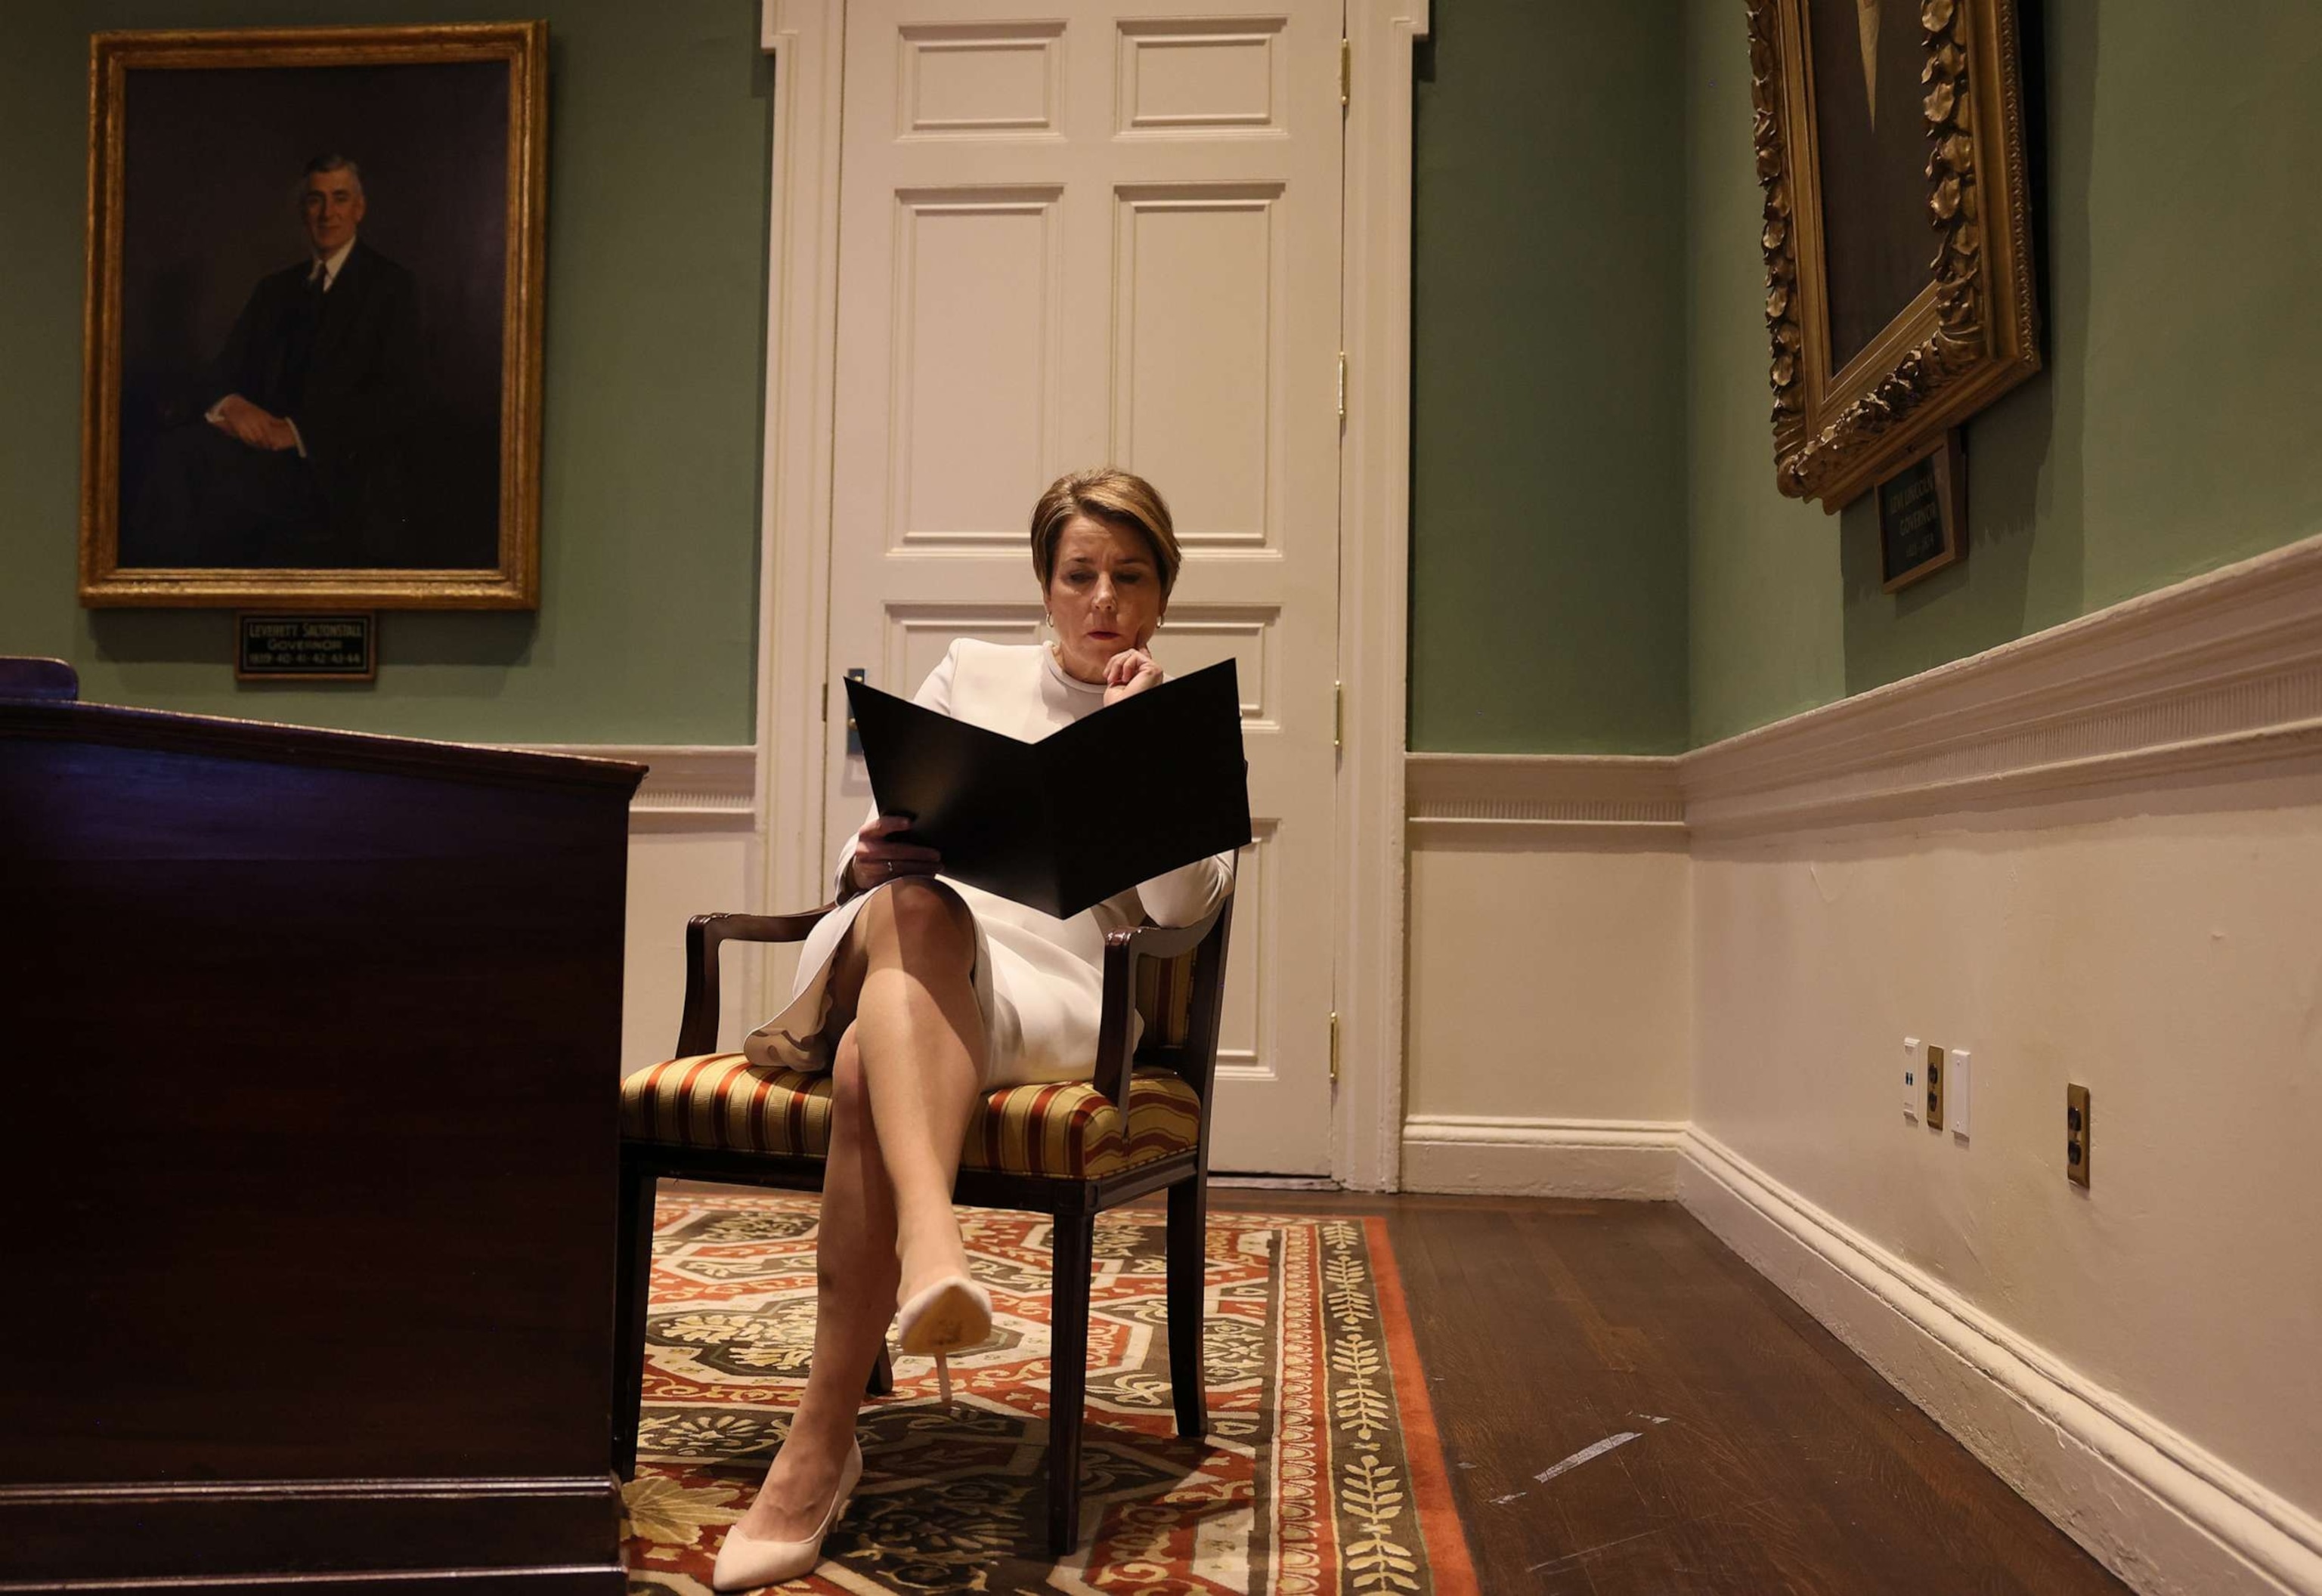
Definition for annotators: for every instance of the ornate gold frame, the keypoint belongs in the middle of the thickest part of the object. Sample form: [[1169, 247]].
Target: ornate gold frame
[[1972, 333], [513, 582]]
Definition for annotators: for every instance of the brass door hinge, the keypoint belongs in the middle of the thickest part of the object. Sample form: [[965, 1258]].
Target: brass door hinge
[[1337, 715], [1342, 384], [1334, 1047], [1346, 72]]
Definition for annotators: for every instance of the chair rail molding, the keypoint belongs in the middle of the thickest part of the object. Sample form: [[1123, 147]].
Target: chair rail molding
[[2166, 1516], [2219, 675], [2214, 676], [687, 786], [1455, 795]]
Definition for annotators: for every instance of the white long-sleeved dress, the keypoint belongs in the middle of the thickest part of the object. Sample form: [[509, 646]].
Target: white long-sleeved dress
[[1039, 979]]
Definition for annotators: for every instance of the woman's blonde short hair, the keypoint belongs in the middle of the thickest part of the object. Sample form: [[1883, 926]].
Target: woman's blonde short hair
[[1121, 498]]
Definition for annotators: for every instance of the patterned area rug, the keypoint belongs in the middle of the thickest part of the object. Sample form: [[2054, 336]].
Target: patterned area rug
[[1321, 1474]]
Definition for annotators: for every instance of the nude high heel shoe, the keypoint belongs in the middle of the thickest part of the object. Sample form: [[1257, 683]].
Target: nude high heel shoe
[[949, 1315], [744, 1561]]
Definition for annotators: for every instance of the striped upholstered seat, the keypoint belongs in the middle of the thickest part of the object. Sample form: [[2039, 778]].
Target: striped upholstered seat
[[1071, 1131]]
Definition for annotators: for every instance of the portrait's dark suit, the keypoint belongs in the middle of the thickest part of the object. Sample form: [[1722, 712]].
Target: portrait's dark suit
[[343, 367], [1878, 242]]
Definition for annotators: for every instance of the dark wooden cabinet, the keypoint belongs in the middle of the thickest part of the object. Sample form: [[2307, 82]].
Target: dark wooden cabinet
[[308, 1159]]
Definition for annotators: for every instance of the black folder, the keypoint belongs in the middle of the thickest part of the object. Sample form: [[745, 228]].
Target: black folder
[[1137, 788]]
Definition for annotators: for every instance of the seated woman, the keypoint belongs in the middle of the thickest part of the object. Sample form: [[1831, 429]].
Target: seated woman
[[919, 993]]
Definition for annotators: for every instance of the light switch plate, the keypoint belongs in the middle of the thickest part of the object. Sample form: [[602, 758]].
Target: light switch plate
[[1911, 1104], [1959, 1095]]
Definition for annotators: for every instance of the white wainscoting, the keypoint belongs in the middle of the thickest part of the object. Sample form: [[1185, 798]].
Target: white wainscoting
[[1547, 1017], [2083, 855]]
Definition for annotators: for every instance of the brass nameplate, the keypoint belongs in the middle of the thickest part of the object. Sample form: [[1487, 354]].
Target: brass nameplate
[[1922, 511], [272, 645]]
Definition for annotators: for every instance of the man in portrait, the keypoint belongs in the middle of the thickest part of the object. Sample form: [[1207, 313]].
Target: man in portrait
[[1871, 131], [298, 449]]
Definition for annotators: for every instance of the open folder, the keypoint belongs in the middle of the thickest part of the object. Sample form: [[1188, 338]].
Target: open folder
[[1117, 798]]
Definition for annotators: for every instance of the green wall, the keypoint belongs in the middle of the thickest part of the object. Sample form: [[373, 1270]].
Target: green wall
[[1599, 559], [1764, 630], [659, 143], [2174, 430], [1547, 546]]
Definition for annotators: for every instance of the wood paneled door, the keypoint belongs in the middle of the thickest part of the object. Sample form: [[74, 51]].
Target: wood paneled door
[[1110, 237]]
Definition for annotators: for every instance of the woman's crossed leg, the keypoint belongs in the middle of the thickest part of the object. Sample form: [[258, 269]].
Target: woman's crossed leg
[[904, 1075]]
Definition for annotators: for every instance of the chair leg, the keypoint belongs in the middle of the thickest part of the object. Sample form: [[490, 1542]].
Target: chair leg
[[1068, 1375], [1189, 1207], [633, 1289], [883, 1374]]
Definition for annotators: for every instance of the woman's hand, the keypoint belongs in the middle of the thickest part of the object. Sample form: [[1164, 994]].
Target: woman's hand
[[880, 859], [1128, 673]]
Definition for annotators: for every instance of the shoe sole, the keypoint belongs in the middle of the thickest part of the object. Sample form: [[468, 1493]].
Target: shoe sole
[[952, 1322]]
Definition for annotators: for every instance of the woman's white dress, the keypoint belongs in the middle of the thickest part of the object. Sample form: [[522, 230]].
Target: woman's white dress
[[1039, 979]]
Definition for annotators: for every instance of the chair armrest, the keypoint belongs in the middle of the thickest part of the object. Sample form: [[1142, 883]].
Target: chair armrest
[[1124, 949], [697, 1031]]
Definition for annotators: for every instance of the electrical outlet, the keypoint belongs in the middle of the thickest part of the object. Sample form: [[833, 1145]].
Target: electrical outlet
[[1959, 1089], [1934, 1087], [2077, 1143], [1910, 1077]]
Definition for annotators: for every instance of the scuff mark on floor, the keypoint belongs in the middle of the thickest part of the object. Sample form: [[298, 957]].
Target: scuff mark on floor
[[1586, 1453], [1591, 1552], [1500, 1501]]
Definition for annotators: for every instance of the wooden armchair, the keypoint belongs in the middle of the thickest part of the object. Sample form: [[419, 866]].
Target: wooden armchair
[[1141, 1125]]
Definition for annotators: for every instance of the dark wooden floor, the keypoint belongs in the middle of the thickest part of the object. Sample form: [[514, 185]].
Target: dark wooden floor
[[1785, 1462]]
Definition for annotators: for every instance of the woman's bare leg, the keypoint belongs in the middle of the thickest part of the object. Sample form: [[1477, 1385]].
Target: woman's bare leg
[[904, 1074], [855, 1298]]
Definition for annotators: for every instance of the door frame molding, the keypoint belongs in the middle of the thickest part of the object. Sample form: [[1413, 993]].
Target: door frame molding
[[805, 38], [1374, 589]]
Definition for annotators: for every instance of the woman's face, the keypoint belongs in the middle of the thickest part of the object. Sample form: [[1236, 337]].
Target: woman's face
[[1104, 595]]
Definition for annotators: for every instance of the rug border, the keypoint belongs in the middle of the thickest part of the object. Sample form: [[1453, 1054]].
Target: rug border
[[1448, 1561]]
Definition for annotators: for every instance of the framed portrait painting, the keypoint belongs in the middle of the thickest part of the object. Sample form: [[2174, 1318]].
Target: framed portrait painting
[[312, 328], [1898, 232]]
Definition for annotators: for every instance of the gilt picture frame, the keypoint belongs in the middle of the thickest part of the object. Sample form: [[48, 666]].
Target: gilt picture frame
[[312, 318], [1897, 233]]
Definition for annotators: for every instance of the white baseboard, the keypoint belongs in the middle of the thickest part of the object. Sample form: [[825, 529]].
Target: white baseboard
[[1601, 1158], [2165, 1516]]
